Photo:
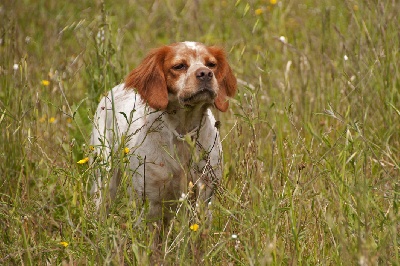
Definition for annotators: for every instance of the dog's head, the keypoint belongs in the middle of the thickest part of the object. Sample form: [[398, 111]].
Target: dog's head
[[188, 72]]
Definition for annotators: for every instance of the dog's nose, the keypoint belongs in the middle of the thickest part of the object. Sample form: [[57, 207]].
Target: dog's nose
[[204, 74]]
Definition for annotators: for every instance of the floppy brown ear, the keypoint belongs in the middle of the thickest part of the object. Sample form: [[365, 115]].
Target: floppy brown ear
[[226, 80], [149, 80]]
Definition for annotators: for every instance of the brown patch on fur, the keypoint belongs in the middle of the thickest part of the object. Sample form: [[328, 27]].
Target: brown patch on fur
[[149, 80], [226, 80]]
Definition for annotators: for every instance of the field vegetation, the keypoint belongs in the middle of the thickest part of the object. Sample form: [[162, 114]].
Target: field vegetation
[[311, 141]]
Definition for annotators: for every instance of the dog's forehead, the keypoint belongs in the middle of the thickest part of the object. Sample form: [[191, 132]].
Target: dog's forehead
[[193, 51], [192, 45]]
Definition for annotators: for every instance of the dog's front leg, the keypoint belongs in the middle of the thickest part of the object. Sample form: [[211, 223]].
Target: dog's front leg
[[206, 179]]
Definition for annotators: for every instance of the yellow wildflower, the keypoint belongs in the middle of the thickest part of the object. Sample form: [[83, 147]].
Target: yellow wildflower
[[83, 161], [272, 2], [126, 150], [45, 82], [258, 11], [52, 120], [191, 185], [355, 7], [194, 227], [64, 244]]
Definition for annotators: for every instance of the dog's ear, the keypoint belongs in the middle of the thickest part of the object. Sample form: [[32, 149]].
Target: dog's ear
[[149, 79], [226, 80]]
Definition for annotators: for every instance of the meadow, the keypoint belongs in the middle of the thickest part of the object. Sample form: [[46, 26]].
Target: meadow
[[311, 141]]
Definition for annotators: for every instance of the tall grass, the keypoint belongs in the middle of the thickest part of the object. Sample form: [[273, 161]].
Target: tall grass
[[311, 143]]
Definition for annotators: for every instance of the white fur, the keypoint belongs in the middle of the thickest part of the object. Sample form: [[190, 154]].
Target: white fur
[[161, 165], [191, 45]]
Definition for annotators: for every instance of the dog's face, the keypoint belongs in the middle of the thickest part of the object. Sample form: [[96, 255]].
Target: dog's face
[[188, 72]]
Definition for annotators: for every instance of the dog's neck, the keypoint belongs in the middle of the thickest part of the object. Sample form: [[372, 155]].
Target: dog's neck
[[185, 119]]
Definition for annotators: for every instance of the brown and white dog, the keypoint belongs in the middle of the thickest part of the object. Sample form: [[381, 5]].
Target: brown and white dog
[[162, 114]]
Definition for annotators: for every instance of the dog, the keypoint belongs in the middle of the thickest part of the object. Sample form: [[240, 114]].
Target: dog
[[160, 118]]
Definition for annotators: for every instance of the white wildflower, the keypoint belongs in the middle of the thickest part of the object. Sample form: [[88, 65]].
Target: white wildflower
[[283, 39], [183, 197]]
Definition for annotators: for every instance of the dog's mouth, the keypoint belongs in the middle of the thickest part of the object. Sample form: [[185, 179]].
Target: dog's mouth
[[202, 95]]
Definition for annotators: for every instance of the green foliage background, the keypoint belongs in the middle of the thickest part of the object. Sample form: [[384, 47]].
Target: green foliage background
[[312, 146]]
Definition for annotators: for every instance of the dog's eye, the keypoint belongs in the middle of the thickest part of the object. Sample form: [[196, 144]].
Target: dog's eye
[[211, 65], [180, 67]]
